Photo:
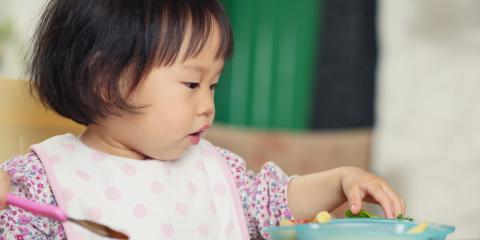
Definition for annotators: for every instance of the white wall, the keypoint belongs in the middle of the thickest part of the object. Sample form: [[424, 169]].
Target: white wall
[[428, 136], [23, 15]]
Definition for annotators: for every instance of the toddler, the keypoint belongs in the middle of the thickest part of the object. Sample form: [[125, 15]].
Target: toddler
[[141, 76]]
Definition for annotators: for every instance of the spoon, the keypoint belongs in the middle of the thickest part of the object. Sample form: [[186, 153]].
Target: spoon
[[58, 214]]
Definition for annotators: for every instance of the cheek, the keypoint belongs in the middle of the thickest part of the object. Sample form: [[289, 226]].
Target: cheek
[[169, 109], [172, 115]]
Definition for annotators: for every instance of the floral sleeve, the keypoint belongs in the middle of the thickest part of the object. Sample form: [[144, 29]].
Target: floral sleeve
[[28, 180], [263, 195]]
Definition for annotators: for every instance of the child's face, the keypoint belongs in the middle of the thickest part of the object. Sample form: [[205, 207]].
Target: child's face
[[179, 101]]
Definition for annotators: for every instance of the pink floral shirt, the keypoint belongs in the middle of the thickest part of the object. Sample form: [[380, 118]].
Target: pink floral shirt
[[263, 196]]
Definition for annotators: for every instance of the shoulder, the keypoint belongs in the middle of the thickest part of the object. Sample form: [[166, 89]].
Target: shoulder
[[22, 167], [29, 180], [227, 154], [234, 161], [230, 157]]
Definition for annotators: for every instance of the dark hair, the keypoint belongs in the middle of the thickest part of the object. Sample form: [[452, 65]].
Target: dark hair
[[82, 49]]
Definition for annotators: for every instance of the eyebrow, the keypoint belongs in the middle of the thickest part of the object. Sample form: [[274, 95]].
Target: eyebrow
[[201, 68]]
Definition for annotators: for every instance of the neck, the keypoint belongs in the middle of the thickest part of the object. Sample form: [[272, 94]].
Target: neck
[[96, 138]]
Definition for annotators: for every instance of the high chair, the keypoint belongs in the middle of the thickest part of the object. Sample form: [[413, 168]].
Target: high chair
[[24, 121]]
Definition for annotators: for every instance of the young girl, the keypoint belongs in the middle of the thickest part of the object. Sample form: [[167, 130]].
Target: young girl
[[141, 76]]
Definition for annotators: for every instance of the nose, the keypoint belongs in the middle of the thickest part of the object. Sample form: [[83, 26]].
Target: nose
[[206, 105]]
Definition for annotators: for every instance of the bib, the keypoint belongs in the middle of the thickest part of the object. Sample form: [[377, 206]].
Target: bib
[[193, 197]]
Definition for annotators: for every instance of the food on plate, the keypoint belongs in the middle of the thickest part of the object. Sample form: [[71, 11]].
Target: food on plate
[[419, 228], [286, 222], [322, 217], [365, 214], [361, 226]]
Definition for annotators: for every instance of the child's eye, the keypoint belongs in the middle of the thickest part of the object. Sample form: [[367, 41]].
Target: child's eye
[[214, 86], [191, 85]]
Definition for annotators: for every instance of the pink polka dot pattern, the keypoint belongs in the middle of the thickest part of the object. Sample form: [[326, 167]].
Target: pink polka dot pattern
[[200, 166], [208, 151], [181, 208], [69, 146], [213, 209], [192, 188], [263, 196], [68, 194], [83, 175], [128, 170], [77, 235], [219, 189], [167, 230], [54, 159], [98, 156], [157, 187], [112, 193], [203, 229], [168, 171], [140, 211], [229, 228], [94, 213]]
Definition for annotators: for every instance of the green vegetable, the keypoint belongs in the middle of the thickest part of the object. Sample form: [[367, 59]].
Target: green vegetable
[[401, 217], [361, 214], [365, 214]]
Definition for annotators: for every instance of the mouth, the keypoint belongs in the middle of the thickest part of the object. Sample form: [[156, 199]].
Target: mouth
[[195, 137], [196, 134]]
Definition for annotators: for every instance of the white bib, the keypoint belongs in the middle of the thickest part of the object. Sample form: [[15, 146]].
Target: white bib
[[190, 198]]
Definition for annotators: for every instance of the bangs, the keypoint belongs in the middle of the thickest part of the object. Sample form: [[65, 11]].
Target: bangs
[[194, 22], [171, 24]]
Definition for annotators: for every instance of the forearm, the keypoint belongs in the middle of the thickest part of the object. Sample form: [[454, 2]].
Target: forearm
[[4, 188], [309, 194]]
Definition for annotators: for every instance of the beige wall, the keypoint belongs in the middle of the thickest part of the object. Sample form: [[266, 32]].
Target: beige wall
[[428, 136], [24, 122], [23, 16]]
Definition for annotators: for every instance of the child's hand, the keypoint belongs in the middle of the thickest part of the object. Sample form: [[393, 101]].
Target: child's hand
[[358, 185], [327, 190], [4, 188]]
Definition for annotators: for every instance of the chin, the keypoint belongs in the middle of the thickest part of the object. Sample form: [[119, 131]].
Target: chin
[[171, 156]]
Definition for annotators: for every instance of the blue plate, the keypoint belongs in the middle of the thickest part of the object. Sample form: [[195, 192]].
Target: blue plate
[[359, 229]]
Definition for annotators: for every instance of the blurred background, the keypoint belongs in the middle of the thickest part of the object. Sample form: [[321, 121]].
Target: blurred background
[[390, 86]]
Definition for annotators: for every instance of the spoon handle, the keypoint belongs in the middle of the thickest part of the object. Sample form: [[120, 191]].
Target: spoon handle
[[41, 209]]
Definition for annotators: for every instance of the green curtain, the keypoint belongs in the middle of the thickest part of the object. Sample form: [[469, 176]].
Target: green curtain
[[268, 82]]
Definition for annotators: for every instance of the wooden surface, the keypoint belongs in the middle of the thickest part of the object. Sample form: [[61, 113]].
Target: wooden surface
[[24, 121]]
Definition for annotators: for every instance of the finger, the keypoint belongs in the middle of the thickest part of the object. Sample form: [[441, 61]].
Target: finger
[[4, 188], [404, 207], [394, 199], [354, 198], [382, 198]]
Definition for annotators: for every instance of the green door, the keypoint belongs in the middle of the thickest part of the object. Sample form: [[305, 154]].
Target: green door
[[268, 82]]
